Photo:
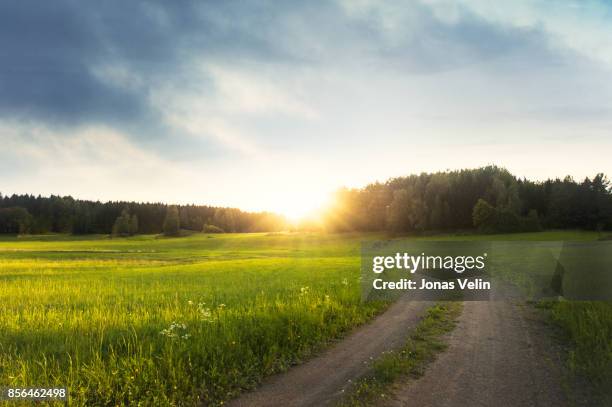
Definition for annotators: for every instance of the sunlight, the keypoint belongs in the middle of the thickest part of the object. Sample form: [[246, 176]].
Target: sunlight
[[297, 207]]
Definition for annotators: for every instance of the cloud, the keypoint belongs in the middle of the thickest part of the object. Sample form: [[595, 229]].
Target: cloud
[[68, 62], [250, 92], [73, 64], [581, 26], [97, 161], [197, 87], [47, 54]]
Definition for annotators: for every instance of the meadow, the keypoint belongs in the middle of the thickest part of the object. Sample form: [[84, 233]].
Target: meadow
[[176, 321]]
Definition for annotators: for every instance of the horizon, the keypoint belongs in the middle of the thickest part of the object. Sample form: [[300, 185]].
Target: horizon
[[207, 103], [312, 214]]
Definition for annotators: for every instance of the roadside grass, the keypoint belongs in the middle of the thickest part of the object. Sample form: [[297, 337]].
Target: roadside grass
[[587, 329], [411, 360]]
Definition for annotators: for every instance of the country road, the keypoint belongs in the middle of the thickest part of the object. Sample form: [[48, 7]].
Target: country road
[[500, 354], [321, 380]]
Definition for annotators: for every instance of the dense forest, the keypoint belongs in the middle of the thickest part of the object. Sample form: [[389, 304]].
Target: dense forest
[[489, 199], [36, 214]]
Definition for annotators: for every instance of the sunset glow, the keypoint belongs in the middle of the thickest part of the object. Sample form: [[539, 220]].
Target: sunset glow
[[299, 207]]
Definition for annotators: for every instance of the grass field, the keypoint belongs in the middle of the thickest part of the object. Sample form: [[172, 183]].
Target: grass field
[[170, 321], [587, 327]]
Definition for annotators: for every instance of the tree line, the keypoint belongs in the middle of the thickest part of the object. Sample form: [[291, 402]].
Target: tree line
[[56, 214], [489, 199]]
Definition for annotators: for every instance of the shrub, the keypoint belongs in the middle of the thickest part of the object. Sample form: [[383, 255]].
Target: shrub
[[212, 229]]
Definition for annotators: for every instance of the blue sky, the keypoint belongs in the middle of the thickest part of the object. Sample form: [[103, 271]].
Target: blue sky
[[273, 105]]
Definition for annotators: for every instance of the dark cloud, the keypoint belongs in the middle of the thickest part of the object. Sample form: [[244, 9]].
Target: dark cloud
[[52, 53], [48, 50]]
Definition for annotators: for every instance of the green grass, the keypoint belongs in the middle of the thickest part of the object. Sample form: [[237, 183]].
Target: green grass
[[88, 314], [411, 360], [587, 328], [104, 317]]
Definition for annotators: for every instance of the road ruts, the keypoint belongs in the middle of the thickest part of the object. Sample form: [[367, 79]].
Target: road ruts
[[321, 380], [497, 356]]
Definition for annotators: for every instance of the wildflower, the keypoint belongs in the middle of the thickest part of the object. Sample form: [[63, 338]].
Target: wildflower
[[205, 313], [175, 330]]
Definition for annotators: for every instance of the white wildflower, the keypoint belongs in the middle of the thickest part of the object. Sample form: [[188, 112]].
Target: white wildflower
[[205, 312], [175, 330]]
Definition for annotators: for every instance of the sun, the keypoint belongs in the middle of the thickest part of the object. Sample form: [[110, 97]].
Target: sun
[[299, 207]]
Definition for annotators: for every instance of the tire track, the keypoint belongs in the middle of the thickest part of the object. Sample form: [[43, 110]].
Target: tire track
[[323, 379]]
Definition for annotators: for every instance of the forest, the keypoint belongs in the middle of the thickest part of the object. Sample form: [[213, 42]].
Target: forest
[[56, 214], [488, 199]]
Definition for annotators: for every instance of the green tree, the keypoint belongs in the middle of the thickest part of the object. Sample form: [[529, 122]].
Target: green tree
[[398, 216], [15, 220], [484, 216], [81, 222], [531, 223], [507, 221], [122, 224], [439, 214], [133, 225], [184, 218], [172, 224]]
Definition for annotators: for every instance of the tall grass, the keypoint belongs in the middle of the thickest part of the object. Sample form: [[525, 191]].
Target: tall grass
[[588, 326], [162, 321]]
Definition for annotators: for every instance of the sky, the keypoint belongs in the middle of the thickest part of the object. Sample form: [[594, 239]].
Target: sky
[[274, 105]]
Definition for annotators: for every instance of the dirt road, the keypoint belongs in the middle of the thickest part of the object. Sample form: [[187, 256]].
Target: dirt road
[[323, 379], [499, 355]]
